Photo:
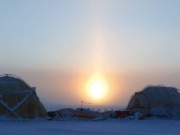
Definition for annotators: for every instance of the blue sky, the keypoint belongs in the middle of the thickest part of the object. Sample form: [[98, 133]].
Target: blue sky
[[121, 37]]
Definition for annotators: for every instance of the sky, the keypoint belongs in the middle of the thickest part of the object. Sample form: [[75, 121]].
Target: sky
[[58, 45]]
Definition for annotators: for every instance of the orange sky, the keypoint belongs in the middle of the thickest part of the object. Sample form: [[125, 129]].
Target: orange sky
[[69, 88]]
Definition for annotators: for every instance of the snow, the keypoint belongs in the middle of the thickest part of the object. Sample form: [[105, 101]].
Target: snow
[[106, 127]]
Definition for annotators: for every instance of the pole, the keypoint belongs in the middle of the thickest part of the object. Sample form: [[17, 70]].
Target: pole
[[81, 104], [84, 103]]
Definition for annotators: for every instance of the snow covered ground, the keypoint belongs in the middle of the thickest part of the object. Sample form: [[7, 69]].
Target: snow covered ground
[[107, 127]]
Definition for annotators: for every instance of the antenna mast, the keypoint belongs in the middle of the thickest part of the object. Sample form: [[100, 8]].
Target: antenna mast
[[82, 102]]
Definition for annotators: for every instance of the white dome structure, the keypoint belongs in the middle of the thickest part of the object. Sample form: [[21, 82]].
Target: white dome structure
[[156, 101]]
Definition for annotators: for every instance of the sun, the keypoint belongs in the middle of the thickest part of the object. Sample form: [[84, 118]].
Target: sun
[[97, 87]]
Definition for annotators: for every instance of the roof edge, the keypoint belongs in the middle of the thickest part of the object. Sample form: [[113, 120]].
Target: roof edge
[[15, 76]]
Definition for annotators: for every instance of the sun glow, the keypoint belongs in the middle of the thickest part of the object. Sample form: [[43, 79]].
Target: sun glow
[[97, 87]]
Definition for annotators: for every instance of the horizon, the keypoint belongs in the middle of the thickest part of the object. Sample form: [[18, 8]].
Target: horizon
[[95, 51]]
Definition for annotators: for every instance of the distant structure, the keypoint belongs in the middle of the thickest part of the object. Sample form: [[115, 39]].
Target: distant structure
[[83, 102], [18, 99], [156, 101]]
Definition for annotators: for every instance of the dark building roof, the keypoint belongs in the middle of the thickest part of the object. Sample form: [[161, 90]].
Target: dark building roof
[[12, 82]]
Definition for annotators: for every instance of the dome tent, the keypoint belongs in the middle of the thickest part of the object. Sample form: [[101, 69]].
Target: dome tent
[[18, 99], [156, 101]]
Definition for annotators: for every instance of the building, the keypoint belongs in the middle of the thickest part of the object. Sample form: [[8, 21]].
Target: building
[[156, 101], [18, 99]]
